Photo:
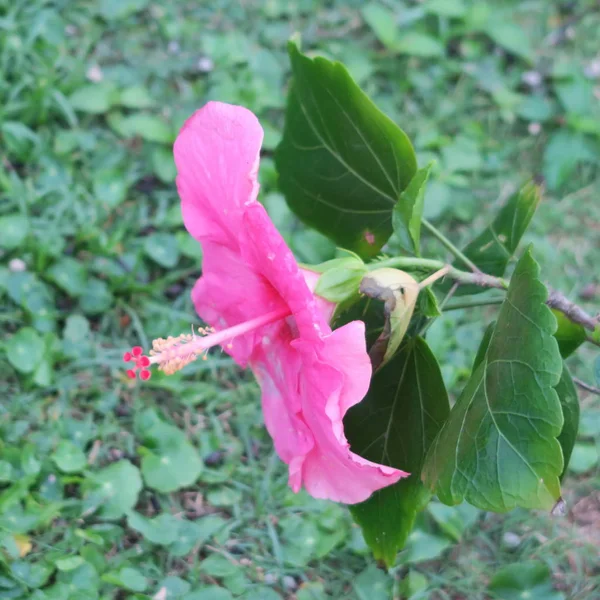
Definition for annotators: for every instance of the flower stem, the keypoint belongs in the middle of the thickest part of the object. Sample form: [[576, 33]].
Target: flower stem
[[449, 245], [434, 277]]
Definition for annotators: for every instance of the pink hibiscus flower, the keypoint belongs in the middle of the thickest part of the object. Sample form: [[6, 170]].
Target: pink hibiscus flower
[[263, 312]]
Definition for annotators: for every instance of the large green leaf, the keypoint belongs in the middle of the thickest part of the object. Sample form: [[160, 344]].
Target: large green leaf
[[567, 394], [499, 447], [495, 245], [404, 409], [342, 163]]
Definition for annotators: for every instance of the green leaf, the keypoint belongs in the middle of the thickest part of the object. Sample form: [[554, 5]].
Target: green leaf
[[569, 335], [499, 448], [162, 530], [408, 212], [69, 563], [564, 152], [164, 165], [128, 578], [567, 394], [529, 579], [422, 546], [509, 36], [453, 520], [25, 350], [13, 230], [115, 489], [373, 584], [174, 586], [211, 592], [342, 163], [403, 411], [419, 44], [446, 8], [169, 462], [70, 275], [427, 304], [261, 593], [383, 23], [148, 127], [110, 187], [136, 96], [96, 297], [340, 279], [495, 245], [195, 532], [584, 457], [218, 566], [113, 10], [68, 457], [95, 98], [162, 249], [483, 345]]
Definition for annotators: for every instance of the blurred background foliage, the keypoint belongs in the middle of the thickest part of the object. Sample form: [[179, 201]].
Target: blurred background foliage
[[172, 490]]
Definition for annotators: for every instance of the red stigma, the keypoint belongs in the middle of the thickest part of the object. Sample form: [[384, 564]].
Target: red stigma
[[140, 362]]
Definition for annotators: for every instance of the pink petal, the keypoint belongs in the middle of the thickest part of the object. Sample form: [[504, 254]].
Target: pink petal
[[267, 252], [335, 381], [230, 292], [277, 366], [217, 154]]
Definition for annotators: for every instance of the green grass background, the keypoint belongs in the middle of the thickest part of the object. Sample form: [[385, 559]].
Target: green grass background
[[101, 495]]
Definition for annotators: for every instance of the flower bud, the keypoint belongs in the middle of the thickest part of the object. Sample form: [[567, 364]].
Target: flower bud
[[399, 292]]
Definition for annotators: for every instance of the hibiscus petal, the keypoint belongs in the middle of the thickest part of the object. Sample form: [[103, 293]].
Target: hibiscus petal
[[277, 365], [229, 293], [217, 154], [267, 252], [336, 380]]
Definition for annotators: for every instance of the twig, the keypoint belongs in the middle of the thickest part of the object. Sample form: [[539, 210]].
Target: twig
[[556, 300], [586, 386], [572, 311]]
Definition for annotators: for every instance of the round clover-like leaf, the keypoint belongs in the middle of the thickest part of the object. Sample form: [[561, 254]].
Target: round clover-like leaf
[[13, 230], [68, 457], [25, 350], [530, 580], [115, 489]]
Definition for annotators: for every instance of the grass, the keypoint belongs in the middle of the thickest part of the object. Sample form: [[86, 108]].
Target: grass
[[95, 259]]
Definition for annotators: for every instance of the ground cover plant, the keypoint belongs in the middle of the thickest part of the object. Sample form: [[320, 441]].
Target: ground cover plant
[[172, 489]]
